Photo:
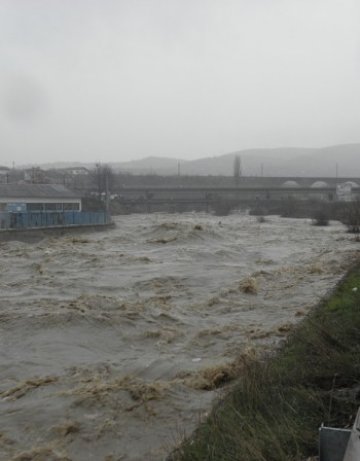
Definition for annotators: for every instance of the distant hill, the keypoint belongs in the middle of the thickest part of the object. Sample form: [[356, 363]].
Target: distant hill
[[254, 162], [285, 161], [157, 165], [58, 165]]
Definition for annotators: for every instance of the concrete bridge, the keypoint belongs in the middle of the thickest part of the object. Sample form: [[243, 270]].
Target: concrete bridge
[[240, 193], [126, 181], [180, 198]]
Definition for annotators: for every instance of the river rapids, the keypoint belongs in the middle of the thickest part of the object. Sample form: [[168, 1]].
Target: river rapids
[[114, 344]]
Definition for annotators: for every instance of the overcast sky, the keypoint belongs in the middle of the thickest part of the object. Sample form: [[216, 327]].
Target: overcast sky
[[114, 80]]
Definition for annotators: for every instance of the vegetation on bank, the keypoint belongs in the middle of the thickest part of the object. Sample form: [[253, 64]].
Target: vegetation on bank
[[275, 409], [320, 212]]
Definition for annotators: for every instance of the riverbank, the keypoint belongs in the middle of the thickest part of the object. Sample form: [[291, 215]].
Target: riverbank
[[273, 413]]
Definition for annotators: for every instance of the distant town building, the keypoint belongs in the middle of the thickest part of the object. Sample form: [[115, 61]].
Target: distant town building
[[74, 178], [75, 171], [79, 171], [347, 191], [4, 174], [35, 175]]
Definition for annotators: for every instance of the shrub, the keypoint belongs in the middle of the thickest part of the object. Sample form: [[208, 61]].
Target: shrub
[[261, 219], [320, 218], [352, 217], [222, 207]]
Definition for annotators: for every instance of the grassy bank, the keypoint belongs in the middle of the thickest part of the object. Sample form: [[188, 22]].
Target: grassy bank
[[273, 413]]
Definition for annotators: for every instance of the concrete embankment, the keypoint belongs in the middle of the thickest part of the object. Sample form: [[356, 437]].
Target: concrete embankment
[[34, 235]]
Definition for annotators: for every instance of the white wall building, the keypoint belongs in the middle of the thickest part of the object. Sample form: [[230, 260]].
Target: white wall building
[[38, 197]]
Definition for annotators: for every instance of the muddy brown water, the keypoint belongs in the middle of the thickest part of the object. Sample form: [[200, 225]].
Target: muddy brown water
[[112, 343]]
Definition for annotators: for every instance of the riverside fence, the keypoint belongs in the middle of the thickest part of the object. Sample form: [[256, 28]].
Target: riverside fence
[[38, 220]]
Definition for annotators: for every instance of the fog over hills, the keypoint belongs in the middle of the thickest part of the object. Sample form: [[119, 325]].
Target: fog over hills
[[254, 162], [286, 161]]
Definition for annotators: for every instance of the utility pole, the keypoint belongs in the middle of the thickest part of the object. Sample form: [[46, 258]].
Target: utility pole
[[178, 167], [237, 169], [107, 195]]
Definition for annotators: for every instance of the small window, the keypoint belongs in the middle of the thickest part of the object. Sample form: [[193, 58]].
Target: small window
[[71, 207], [53, 207], [35, 207]]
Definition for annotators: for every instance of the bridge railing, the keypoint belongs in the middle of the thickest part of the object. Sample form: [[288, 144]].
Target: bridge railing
[[36, 220]]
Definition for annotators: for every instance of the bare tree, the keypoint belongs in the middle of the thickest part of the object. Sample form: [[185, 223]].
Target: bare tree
[[104, 178]]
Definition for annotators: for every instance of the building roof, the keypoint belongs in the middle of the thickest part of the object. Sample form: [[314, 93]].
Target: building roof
[[69, 169], [36, 191]]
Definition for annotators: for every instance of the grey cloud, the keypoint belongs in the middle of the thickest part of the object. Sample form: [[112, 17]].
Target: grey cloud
[[116, 80], [22, 99]]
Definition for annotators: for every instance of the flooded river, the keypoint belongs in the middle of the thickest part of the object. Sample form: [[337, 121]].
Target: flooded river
[[113, 344]]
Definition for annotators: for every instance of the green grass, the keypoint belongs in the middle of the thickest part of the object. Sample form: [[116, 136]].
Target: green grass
[[274, 411]]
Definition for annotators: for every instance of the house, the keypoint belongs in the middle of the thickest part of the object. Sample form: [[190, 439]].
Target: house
[[347, 191], [38, 197], [76, 171], [69, 172], [35, 175], [4, 174], [71, 177]]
